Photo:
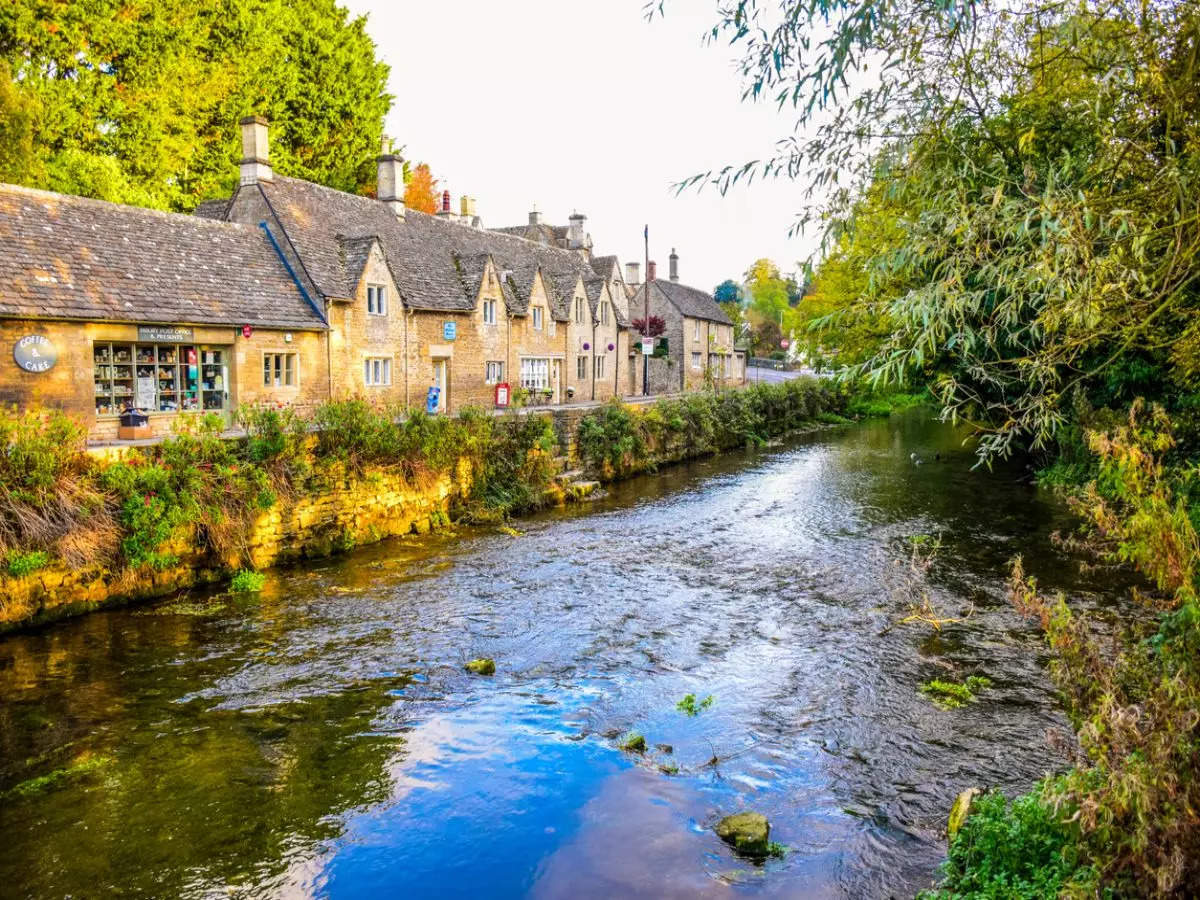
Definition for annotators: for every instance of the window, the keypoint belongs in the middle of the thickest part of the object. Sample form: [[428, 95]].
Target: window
[[697, 335], [493, 372], [279, 370], [377, 299], [159, 377], [537, 318], [581, 367], [489, 312], [535, 374], [695, 360], [599, 366], [604, 313], [377, 371], [579, 310]]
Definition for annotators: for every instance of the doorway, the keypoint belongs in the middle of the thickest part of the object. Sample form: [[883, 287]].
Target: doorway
[[441, 380], [556, 379]]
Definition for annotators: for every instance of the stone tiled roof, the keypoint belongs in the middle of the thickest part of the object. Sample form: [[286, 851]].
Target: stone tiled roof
[[550, 235], [213, 209], [604, 265], [427, 255], [69, 257], [692, 301], [355, 253]]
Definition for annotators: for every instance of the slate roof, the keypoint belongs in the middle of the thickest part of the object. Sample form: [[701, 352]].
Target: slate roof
[[213, 209], [692, 302], [604, 265], [552, 235], [70, 257], [436, 263]]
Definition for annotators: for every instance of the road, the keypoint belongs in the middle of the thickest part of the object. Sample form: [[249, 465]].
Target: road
[[773, 376]]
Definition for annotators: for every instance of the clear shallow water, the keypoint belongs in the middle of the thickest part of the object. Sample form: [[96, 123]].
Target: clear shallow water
[[321, 739]]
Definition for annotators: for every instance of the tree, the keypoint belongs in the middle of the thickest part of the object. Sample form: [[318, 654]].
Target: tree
[[420, 190], [138, 100], [728, 291], [16, 131], [656, 328]]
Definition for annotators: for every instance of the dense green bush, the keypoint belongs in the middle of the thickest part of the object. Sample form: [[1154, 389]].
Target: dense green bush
[[518, 465], [617, 439], [1021, 850]]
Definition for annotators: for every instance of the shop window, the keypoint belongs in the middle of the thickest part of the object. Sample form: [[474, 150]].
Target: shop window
[[279, 370], [377, 299], [535, 374], [494, 372], [159, 377], [377, 371], [581, 367]]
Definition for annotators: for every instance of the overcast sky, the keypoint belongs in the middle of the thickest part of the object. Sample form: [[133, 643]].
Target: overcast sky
[[583, 105]]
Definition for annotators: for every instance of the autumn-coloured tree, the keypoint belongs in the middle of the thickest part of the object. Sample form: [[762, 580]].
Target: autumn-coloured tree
[[658, 327], [420, 190]]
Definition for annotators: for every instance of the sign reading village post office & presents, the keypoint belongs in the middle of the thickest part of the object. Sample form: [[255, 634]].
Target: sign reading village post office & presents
[[165, 334], [35, 353]]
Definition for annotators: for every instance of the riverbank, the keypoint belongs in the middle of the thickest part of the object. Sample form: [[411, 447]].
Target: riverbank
[[78, 533]]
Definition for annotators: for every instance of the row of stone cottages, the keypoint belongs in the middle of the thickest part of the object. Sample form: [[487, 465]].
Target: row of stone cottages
[[293, 293]]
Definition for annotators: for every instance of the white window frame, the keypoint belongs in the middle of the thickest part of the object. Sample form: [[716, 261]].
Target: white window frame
[[604, 313], [535, 373], [377, 300], [598, 365], [281, 369], [696, 336], [493, 371], [581, 367], [377, 371], [489, 312], [696, 359], [579, 310], [538, 313]]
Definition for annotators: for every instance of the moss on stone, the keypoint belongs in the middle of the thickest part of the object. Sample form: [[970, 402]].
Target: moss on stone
[[748, 833], [483, 666]]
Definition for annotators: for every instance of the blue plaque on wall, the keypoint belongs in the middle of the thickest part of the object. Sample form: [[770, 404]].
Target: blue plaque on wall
[[449, 330]]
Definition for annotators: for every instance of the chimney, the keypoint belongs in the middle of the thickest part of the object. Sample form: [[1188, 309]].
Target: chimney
[[651, 270], [445, 212], [674, 265], [633, 274], [535, 217], [575, 233], [390, 181], [464, 206], [255, 165]]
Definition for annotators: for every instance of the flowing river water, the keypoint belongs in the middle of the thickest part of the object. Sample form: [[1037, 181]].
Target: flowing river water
[[322, 739]]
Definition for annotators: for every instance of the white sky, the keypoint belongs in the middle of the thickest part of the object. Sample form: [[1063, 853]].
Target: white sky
[[575, 104]]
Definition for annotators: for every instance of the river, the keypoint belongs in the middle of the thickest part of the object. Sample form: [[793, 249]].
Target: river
[[322, 739]]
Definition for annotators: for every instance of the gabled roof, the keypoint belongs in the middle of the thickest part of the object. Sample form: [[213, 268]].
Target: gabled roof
[[355, 254], [692, 302], [604, 266], [550, 235], [70, 257], [427, 255]]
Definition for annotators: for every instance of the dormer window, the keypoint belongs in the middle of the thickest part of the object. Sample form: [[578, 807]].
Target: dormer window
[[579, 310], [489, 312], [377, 299], [537, 318], [604, 313]]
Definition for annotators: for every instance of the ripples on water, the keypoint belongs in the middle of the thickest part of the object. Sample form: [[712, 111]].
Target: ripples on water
[[322, 739]]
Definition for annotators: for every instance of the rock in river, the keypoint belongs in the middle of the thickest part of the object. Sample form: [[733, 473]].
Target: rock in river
[[960, 810], [745, 832], [482, 666]]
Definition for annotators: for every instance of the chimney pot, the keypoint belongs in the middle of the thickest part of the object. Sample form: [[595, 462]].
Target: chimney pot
[[390, 182], [651, 271], [633, 274], [535, 217], [674, 265], [576, 237], [256, 162]]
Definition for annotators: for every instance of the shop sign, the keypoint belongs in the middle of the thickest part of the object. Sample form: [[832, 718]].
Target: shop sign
[[35, 353], [165, 334], [449, 331]]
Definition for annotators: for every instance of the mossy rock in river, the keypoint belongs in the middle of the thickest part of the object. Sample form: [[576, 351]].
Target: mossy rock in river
[[747, 832], [483, 666]]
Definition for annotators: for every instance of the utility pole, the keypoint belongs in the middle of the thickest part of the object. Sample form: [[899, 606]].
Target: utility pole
[[646, 317]]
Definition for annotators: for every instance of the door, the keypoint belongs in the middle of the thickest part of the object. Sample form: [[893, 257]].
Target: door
[[441, 381], [556, 379]]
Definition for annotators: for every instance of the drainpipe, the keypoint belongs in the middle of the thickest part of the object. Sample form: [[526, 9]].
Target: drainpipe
[[594, 324], [329, 353]]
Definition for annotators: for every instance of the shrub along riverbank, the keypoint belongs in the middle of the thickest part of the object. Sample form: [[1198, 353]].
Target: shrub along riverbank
[[199, 498]]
